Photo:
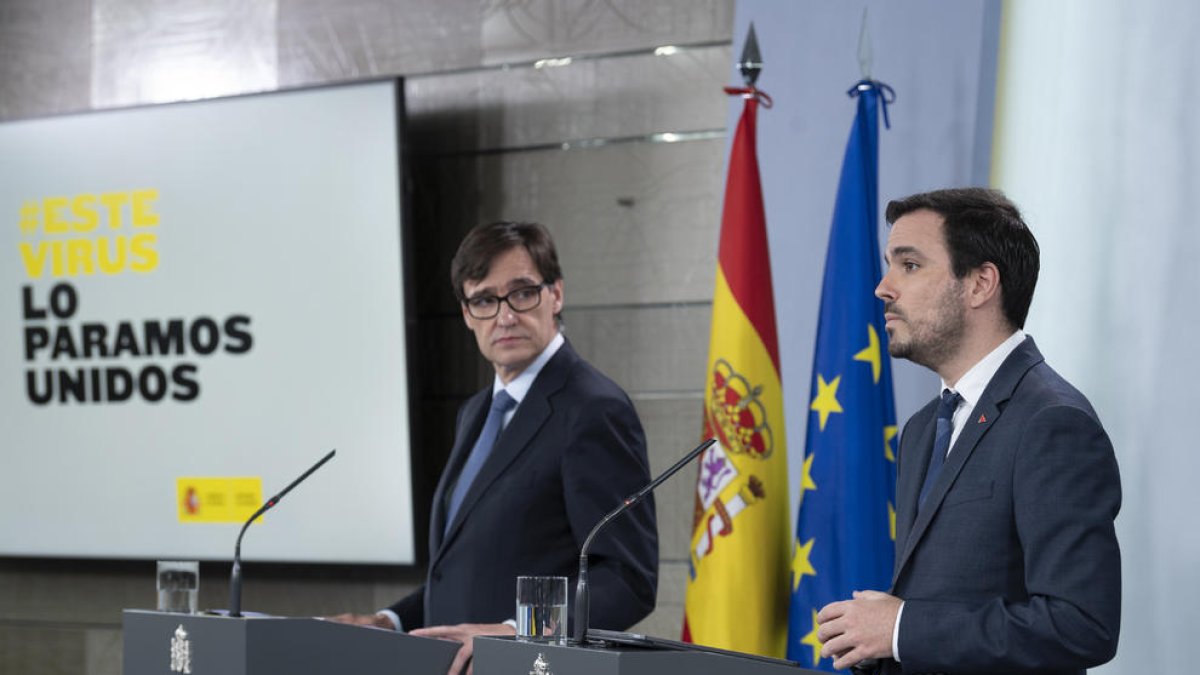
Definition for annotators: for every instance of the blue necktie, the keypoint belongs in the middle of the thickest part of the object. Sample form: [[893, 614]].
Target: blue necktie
[[941, 440], [501, 404]]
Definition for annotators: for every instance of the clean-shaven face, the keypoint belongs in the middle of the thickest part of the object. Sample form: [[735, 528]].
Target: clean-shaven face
[[511, 340]]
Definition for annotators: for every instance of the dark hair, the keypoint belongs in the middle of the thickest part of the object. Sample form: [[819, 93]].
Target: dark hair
[[982, 225], [485, 242]]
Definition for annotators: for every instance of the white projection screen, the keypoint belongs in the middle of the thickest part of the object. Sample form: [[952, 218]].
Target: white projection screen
[[200, 298]]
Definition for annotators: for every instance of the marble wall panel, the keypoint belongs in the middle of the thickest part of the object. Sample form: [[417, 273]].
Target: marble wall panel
[[673, 427], [155, 51], [41, 650], [322, 41], [598, 98], [634, 223], [667, 618], [73, 591], [45, 57], [103, 649], [514, 30], [646, 349]]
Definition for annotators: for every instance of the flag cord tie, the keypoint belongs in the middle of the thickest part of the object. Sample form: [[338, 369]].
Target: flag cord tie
[[886, 95], [751, 92]]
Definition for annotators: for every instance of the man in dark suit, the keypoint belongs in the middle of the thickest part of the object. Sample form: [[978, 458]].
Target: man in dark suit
[[1007, 485], [568, 447]]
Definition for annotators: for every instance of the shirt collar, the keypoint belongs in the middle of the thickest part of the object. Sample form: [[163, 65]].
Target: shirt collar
[[975, 380], [520, 384]]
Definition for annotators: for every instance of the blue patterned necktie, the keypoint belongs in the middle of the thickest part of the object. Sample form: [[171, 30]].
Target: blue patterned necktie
[[501, 404], [941, 440]]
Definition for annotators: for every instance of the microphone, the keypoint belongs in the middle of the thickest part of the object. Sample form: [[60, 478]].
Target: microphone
[[235, 577], [581, 587]]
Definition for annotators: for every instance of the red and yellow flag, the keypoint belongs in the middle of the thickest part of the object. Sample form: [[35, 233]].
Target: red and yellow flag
[[737, 592]]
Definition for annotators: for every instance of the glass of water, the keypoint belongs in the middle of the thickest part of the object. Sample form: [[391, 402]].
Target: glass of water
[[542, 609], [178, 585]]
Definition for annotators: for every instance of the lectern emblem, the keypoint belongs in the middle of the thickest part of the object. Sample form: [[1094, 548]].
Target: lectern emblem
[[181, 652], [541, 666]]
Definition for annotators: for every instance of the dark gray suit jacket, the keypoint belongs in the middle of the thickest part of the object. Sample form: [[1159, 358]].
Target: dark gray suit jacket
[[1012, 564], [571, 453]]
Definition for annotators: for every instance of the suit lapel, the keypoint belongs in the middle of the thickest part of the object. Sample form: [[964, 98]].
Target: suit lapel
[[986, 413], [913, 462], [531, 415], [470, 423]]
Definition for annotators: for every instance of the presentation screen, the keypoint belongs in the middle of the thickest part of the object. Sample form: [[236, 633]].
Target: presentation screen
[[199, 301]]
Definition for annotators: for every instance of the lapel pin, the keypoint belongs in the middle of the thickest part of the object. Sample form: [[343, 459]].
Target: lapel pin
[[982, 419]]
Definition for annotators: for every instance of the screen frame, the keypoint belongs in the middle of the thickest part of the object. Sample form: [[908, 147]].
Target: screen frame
[[420, 493]]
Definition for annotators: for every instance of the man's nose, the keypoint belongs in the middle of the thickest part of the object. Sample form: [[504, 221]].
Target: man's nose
[[884, 290], [507, 315]]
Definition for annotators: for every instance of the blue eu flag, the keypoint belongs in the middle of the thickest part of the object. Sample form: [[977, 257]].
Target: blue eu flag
[[846, 525]]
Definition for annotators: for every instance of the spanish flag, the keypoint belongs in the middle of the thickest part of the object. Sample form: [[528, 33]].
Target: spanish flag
[[737, 591]]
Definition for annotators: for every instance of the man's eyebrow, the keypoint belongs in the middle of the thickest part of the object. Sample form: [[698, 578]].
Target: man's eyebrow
[[482, 292], [519, 282], [901, 250]]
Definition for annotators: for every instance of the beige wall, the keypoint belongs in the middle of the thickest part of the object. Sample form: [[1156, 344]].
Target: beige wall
[[635, 220]]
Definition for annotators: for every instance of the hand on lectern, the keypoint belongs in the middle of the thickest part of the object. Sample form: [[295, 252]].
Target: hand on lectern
[[464, 633], [855, 630], [376, 620]]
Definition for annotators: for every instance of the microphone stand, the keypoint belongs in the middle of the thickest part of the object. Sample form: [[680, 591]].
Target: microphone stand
[[235, 577], [582, 594]]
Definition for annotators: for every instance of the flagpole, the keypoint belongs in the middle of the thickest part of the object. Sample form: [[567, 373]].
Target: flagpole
[[737, 571], [845, 527]]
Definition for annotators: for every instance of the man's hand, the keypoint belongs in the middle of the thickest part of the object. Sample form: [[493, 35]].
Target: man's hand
[[464, 633], [852, 631], [376, 620]]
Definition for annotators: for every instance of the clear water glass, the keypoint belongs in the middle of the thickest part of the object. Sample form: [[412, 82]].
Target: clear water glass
[[542, 609], [178, 586]]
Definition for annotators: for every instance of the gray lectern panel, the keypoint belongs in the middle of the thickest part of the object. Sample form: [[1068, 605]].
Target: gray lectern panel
[[157, 643], [507, 656]]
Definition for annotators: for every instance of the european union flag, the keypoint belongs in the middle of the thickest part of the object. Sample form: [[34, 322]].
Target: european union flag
[[846, 526]]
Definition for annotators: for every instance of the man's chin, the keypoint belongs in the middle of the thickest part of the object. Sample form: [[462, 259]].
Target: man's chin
[[511, 362]]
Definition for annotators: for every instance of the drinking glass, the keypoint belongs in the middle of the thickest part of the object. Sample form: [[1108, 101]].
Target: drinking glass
[[178, 585], [542, 609]]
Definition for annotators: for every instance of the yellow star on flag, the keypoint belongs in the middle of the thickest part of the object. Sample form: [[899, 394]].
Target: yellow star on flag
[[812, 641], [889, 432], [826, 401], [892, 520], [806, 480], [870, 353], [800, 563]]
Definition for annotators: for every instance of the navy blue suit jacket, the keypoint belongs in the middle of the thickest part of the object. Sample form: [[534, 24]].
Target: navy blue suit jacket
[[1012, 564], [572, 452]]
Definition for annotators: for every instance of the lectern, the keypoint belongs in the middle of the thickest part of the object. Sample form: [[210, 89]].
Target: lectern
[[158, 643], [509, 656]]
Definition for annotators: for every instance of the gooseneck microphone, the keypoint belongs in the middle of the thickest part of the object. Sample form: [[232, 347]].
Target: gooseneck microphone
[[581, 587], [235, 577]]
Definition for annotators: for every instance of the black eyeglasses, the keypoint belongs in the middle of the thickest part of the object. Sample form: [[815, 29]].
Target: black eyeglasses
[[520, 299]]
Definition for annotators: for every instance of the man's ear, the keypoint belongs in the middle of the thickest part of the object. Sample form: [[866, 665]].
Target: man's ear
[[556, 292], [983, 285]]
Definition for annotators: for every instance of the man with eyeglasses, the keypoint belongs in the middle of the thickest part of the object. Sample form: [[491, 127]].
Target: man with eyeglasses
[[539, 457]]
